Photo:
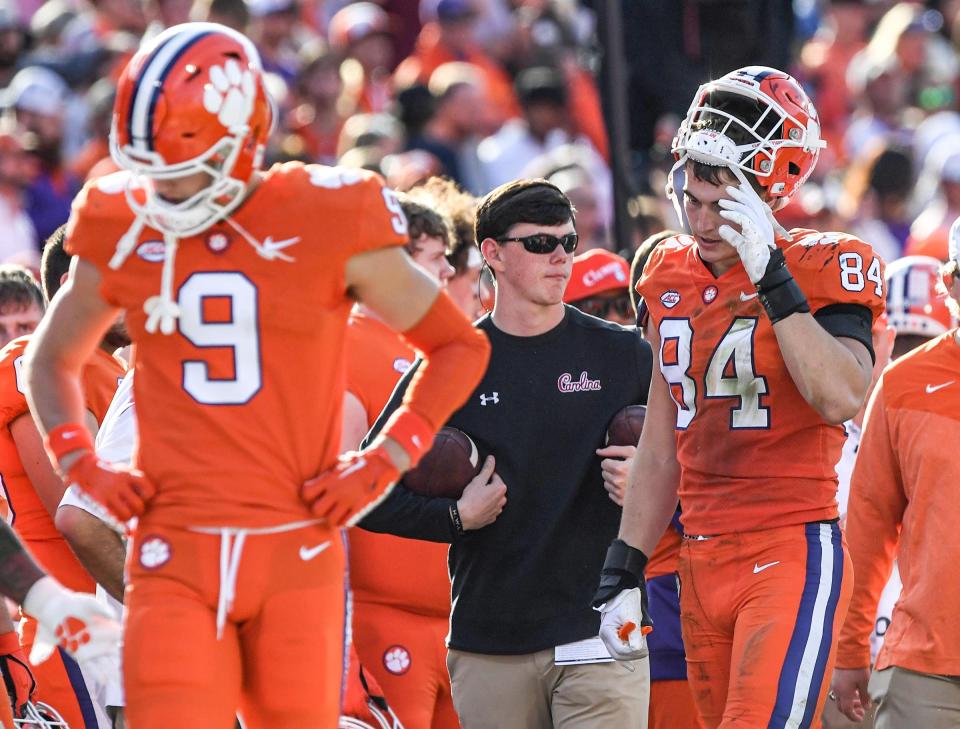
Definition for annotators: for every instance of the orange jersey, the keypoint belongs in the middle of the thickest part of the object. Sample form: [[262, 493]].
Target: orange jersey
[[28, 516], [903, 501], [753, 453], [384, 569], [242, 404]]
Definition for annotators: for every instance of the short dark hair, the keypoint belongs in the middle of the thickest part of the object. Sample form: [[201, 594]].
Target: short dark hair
[[54, 262], [424, 220], [18, 288], [640, 258], [522, 201], [746, 110]]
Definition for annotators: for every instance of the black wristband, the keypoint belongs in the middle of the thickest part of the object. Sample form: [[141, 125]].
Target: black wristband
[[622, 570], [455, 518], [778, 291]]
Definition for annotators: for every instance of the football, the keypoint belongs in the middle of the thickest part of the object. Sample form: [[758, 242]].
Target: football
[[626, 426], [446, 469]]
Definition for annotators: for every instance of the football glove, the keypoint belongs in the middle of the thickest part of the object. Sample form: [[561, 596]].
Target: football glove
[[358, 482], [76, 622], [756, 245], [17, 676], [622, 602]]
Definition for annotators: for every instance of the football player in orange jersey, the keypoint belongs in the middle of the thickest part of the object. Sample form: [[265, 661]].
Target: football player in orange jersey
[[764, 350], [236, 284], [33, 489], [400, 586], [902, 503]]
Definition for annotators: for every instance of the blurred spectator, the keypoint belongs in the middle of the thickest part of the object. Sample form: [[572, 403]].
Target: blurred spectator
[[21, 302], [165, 14], [360, 32], [929, 232], [576, 183], [451, 38], [274, 28], [405, 170], [317, 117], [18, 238], [457, 120], [231, 13], [881, 92], [371, 130], [599, 286], [13, 40], [877, 190], [646, 215], [545, 125], [37, 97], [94, 156], [823, 66]]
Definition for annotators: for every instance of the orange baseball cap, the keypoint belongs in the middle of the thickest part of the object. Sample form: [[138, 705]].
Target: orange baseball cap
[[596, 271]]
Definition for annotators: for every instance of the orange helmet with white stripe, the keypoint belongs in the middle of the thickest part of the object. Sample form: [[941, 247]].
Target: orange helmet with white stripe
[[192, 100]]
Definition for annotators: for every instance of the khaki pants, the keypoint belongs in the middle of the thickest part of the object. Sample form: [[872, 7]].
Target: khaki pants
[[918, 700], [530, 692]]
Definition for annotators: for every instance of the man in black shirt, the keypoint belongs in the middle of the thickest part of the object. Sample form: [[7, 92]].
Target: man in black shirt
[[522, 584]]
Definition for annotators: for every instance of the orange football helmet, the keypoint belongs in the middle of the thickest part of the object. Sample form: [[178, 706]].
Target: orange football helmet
[[757, 121], [914, 306], [192, 100]]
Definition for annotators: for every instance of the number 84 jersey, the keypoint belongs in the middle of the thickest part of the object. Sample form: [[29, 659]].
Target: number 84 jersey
[[753, 453], [242, 402]]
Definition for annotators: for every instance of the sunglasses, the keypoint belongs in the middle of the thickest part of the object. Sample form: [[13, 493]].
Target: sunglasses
[[545, 243], [600, 307]]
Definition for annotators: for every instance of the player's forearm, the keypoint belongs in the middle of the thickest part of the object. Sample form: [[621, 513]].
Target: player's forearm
[[18, 571], [828, 375], [650, 501], [98, 547]]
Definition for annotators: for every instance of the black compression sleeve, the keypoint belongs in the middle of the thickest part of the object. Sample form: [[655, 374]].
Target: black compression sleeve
[[18, 571], [848, 320]]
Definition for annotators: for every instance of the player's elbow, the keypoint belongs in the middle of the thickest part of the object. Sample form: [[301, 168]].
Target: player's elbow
[[838, 408], [77, 526]]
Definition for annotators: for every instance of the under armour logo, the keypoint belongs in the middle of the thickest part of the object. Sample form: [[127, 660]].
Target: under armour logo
[[494, 398]]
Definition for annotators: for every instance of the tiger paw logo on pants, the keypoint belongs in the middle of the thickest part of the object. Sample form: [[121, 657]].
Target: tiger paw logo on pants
[[396, 659], [154, 552]]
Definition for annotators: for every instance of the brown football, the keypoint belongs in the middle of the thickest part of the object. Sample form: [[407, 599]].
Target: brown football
[[445, 470], [626, 426]]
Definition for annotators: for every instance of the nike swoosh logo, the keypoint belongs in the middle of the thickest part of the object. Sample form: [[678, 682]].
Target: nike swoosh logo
[[747, 297], [280, 244], [308, 553], [933, 388], [757, 568]]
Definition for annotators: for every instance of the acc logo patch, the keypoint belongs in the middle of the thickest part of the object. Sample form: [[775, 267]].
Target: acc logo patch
[[710, 293], [218, 242], [670, 298], [401, 365], [154, 552], [396, 659], [153, 251]]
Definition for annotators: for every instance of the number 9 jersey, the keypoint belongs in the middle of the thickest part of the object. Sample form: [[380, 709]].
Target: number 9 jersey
[[242, 402], [753, 454]]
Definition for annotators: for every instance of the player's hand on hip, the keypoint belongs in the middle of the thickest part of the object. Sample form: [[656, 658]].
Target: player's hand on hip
[[849, 689], [121, 491], [483, 499], [76, 622], [615, 469], [16, 673], [342, 495], [755, 238]]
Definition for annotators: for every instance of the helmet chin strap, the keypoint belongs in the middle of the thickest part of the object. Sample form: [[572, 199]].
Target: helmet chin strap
[[162, 311]]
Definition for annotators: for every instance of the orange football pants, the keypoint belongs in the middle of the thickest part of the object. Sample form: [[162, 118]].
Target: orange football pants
[[672, 707], [61, 684], [406, 652], [278, 601], [760, 614]]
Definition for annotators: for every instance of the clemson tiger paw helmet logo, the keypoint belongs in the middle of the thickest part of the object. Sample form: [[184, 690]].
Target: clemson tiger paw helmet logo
[[154, 553], [230, 94], [396, 659]]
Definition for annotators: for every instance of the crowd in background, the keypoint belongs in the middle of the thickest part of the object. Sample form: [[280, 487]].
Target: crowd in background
[[484, 91]]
